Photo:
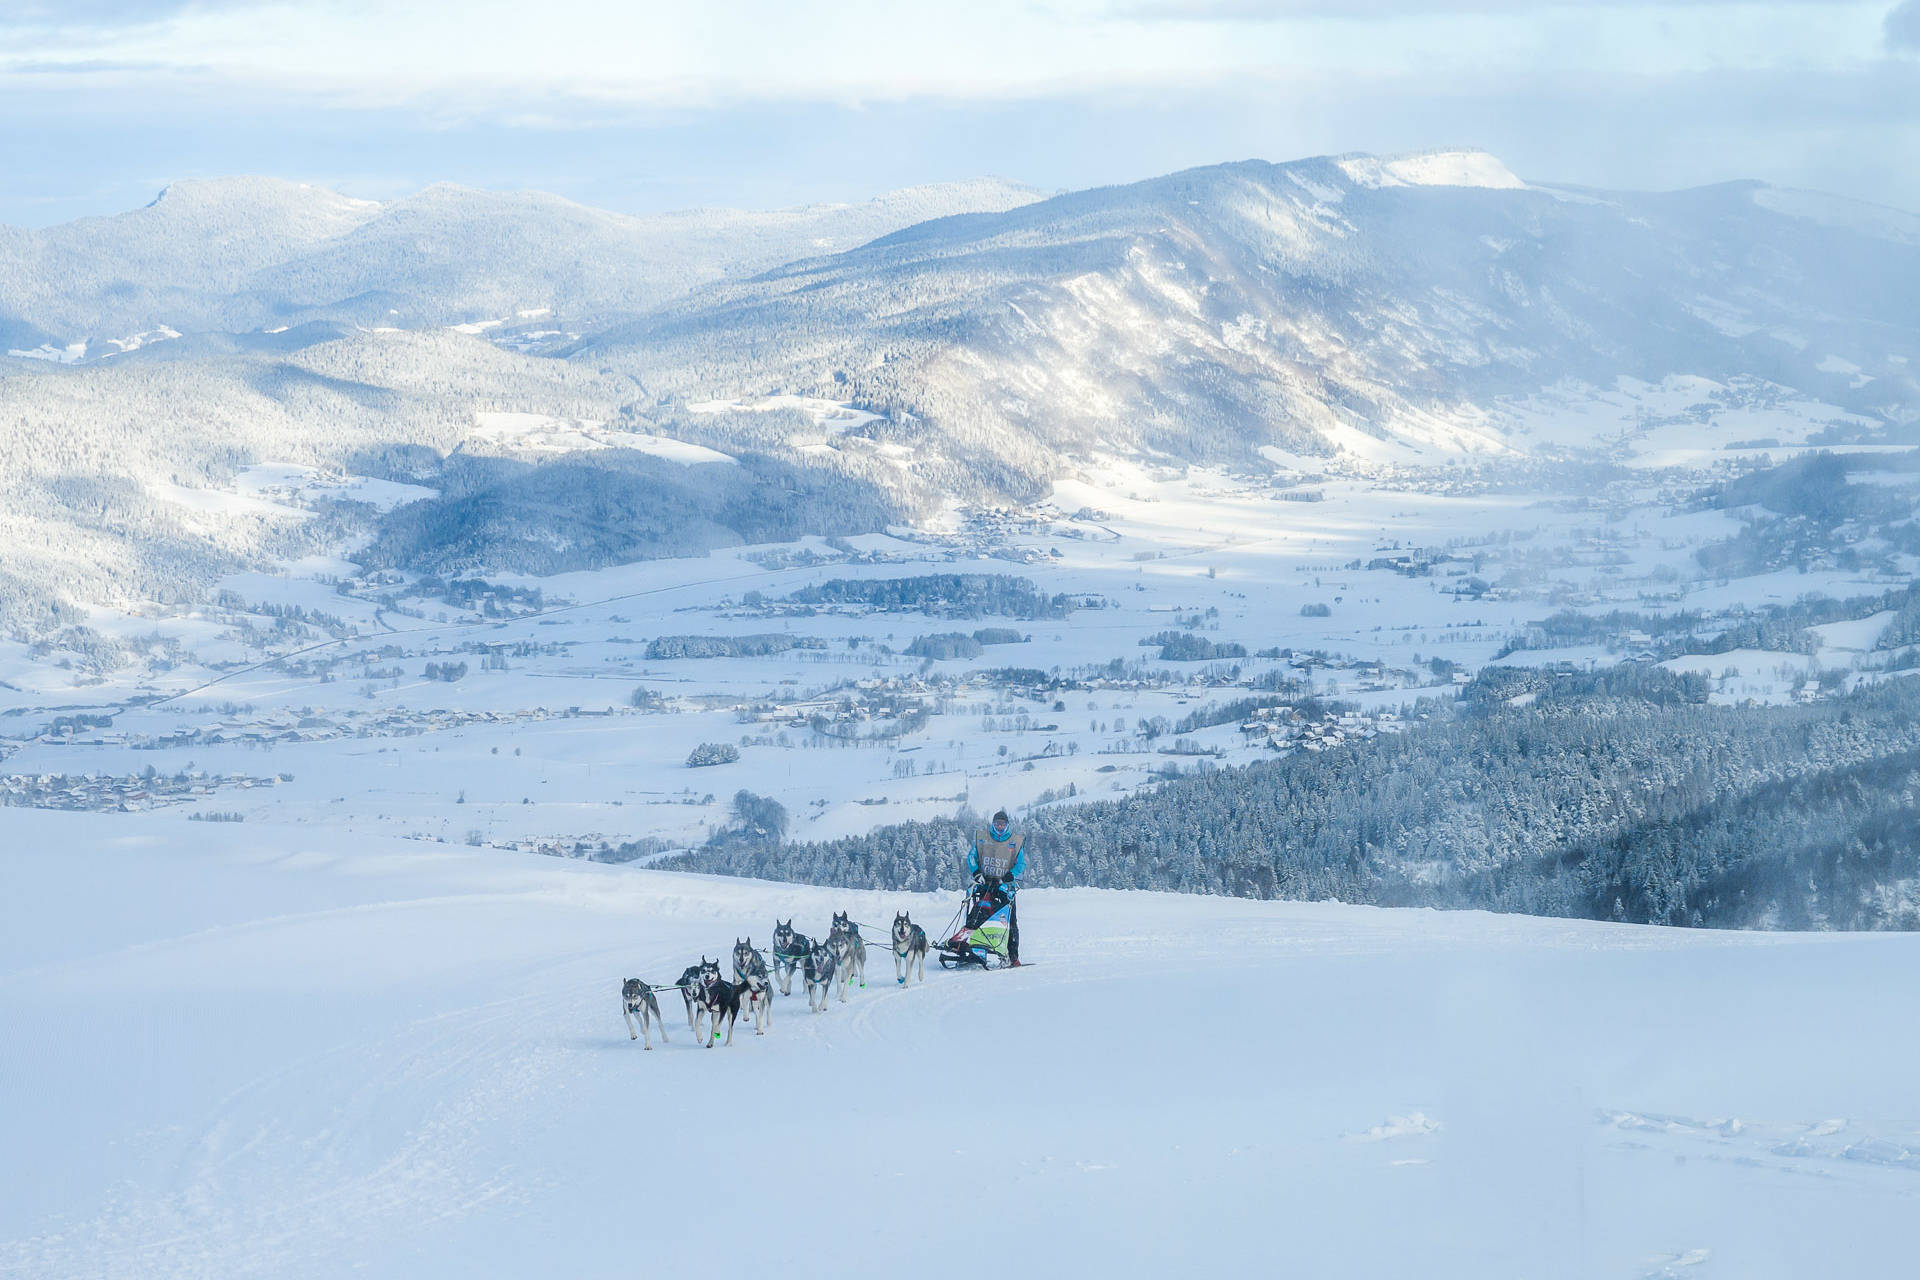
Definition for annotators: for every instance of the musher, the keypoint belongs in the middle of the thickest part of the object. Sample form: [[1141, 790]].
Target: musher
[[997, 860]]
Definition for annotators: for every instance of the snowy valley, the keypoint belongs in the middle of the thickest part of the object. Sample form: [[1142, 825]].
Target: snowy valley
[[1149, 621], [394, 645]]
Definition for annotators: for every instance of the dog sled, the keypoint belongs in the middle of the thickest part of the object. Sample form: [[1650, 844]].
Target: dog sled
[[981, 934]]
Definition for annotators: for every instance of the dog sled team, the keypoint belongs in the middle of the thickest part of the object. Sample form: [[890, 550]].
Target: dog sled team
[[714, 1004], [987, 934]]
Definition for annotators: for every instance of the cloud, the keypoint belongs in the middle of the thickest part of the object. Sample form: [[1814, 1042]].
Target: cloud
[[88, 67], [102, 148], [1902, 28], [89, 15], [772, 102], [585, 57], [1288, 10]]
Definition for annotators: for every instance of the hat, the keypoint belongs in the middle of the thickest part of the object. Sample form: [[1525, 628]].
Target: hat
[[1001, 816]]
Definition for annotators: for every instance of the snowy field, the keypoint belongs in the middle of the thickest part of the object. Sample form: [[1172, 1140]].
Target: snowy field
[[283, 1055]]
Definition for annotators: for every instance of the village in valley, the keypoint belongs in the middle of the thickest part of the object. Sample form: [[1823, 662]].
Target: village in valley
[[1145, 621]]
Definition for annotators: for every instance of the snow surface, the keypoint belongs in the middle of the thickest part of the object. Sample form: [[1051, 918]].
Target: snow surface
[[297, 481], [680, 451], [1678, 422], [71, 353], [1432, 169], [221, 502], [96, 348], [1880, 221], [542, 433], [301, 1056], [838, 418], [1743, 675]]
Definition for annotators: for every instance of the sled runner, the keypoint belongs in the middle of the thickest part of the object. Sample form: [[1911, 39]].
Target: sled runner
[[981, 930]]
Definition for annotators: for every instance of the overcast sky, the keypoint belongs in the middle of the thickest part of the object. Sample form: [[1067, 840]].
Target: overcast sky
[[642, 106]]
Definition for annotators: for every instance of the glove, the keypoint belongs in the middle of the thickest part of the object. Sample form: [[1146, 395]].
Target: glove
[[1006, 879]]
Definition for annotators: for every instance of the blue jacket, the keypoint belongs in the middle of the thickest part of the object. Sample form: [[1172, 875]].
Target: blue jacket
[[996, 854]]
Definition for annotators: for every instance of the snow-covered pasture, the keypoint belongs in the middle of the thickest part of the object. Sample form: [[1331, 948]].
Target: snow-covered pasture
[[291, 479], [1679, 421], [539, 433], [284, 1054]]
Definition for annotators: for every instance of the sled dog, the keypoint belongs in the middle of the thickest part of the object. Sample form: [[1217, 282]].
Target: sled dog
[[909, 949], [855, 956], [756, 990], [755, 983], [716, 1000], [747, 960], [842, 952], [790, 951], [689, 983], [637, 1000], [819, 977]]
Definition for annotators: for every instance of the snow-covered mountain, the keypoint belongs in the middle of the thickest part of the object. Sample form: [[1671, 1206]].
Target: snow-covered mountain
[[878, 363], [164, 264], [1381, 309], [239, 254]]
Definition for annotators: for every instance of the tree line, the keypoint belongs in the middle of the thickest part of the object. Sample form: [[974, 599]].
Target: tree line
[[1617, 794]]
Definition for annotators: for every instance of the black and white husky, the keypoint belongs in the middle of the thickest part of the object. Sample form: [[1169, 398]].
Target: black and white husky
[[790, 952], [716, 1000], [853, 956], [909, 949], [689, 984], [756, 985], [637, 1000], [819, 976], [757, 991]]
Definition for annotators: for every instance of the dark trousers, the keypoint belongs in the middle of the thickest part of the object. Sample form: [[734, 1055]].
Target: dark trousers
[[1013, 931]]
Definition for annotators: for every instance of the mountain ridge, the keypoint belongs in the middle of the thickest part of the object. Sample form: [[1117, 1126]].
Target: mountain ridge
[[1324, 305], [1340, 315], [231, 255]]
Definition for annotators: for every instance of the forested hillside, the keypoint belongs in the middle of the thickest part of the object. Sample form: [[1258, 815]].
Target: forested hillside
[[577, 512], [1614, 795], [234, 254], [118, 481]]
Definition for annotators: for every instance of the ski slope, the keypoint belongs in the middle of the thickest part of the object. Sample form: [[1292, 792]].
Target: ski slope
[[234, 1053]]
